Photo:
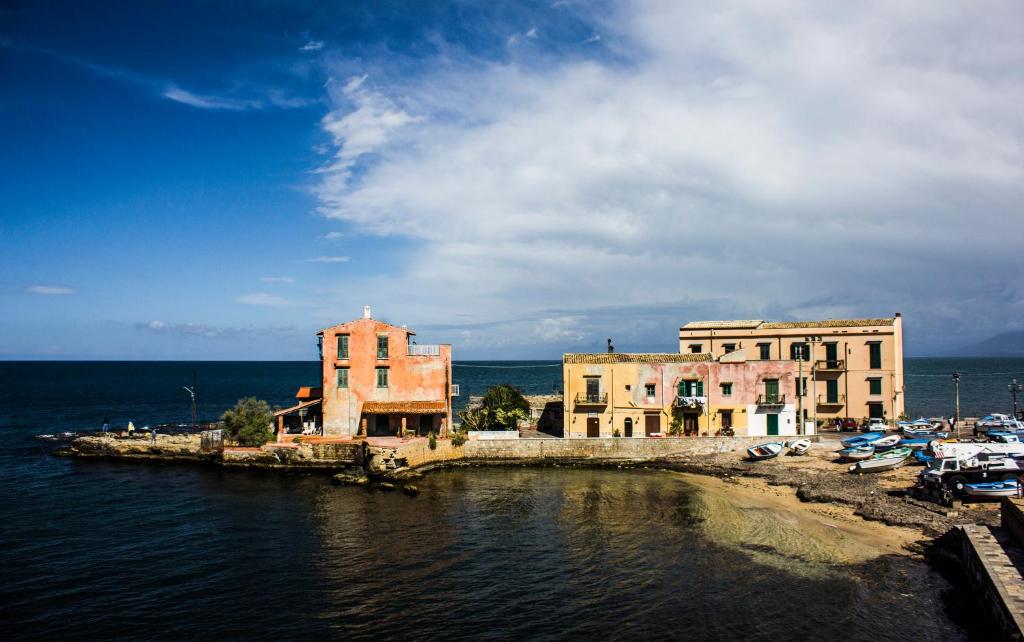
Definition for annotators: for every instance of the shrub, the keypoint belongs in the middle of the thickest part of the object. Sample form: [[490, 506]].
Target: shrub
[[616, 433], [458, 438], [432, 441], [248, 423]]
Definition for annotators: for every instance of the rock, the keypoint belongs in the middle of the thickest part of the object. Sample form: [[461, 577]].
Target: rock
[[409, 489]]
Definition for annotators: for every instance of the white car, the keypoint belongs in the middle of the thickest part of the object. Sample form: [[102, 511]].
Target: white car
[[878, 425]]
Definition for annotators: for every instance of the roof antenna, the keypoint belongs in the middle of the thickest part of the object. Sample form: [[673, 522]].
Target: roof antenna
[[611, 348]]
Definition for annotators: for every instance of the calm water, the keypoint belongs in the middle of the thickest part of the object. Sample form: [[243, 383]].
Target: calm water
[[92, 549]]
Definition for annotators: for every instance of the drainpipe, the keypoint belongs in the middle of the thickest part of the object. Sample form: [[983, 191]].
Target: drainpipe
[[846, 376], [611, 393]]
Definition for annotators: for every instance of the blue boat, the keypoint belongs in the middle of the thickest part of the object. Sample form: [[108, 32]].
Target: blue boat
[[1006, 488], [866, 439], [921, 457], [857, 453], [916, 443]]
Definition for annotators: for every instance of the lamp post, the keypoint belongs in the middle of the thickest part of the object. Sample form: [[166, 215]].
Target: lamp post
[[956, 383], [192, 393], [1015, 389], [809, 354]]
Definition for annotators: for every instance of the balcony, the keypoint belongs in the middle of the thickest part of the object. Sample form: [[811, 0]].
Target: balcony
[[454, 390], [589, 399], [830, 365], [771, 400], [683, 401], [834, 400], [417, 350]]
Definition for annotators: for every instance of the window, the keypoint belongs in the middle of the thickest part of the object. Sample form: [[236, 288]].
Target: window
[[593, 389], [801, 386], [320, 345], [875, 411], [343, 377], [875, 354], [832, 391], [799, 351], [628, 387], [343, 346], [874, 386], [649, 389], [771, 390], [765, 350], [695, 348], [729, 347], [382, 347], [726, 389], [692, 388], [726, 419], [382, 377]]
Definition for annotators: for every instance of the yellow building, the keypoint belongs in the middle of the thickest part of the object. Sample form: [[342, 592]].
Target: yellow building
[[643, 395], [849, 368]]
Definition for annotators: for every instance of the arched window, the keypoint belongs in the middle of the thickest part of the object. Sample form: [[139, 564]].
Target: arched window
[[629, 426]]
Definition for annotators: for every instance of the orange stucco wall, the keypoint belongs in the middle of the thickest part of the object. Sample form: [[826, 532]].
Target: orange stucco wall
[[410, 378]]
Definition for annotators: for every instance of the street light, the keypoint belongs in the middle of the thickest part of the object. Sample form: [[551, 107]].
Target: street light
[[956, 382], [192, 393], [808, 354], [1015, 389]]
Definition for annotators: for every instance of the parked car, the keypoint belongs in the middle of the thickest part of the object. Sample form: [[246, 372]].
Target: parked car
[[850, 424], [877, 425]]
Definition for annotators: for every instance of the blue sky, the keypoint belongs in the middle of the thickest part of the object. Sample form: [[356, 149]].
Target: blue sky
[[207, 180]]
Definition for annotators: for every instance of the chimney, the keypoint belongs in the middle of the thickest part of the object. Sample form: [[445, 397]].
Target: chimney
[[611, 348], [366, 312]]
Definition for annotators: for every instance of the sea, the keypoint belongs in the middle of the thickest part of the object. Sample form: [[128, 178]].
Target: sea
[[120, 550]]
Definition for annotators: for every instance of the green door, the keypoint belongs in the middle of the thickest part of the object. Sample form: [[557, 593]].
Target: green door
[[832, 391], [773, 424]]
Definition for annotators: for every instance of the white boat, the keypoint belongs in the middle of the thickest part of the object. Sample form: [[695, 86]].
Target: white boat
[[764, 451], [857, 453], [799, 447], [885, 443], [888, 460], [1006, 488]]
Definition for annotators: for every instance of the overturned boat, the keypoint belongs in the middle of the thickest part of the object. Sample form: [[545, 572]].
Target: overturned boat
[[857, 453], [799, 446]]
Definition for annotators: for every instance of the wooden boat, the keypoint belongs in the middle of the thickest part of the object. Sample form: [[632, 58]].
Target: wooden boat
[[923, 458], [1005, 488], [885, 443], [863, 440], [799, 447], [764, 451], [915, 443], [857, 453], [889, 460]]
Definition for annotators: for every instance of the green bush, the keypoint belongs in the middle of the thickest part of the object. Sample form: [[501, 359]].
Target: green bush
[[248, 423], [458, 438], [432, 441]]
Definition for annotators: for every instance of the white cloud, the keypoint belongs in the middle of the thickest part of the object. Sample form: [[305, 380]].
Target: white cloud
[[312, 45], [760, 160], [328, 259], [207, 331], [277, 279], [262, 298], [333, 236], [49, 290], [185, 97]]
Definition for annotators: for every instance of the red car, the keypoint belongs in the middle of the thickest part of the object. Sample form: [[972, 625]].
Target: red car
[[846, 424]]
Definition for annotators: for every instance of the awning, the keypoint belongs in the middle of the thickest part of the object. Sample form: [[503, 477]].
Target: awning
[[304, 404], [310, 392], [403, 407]]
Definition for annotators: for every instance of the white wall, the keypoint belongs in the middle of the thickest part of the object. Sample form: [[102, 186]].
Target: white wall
[[757, 422]]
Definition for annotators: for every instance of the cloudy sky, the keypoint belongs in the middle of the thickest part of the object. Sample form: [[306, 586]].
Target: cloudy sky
[[195, 180]]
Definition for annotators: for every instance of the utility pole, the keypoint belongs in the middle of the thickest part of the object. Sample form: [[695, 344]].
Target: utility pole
[[956, 383], [1015, 389], [192, 393], [800, 398]]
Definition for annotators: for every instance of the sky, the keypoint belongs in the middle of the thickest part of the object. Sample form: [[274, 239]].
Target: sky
[[215, 180]]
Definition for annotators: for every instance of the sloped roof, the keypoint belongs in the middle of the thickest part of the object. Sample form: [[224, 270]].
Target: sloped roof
[[376, 322], [626, 357], [752, 324], [310, 392], [715, 325], [407, 407], [296, 407]]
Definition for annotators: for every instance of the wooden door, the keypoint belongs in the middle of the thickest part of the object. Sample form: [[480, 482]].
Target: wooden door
[[831, 355], [690, 425], [726, 419], [629, 426], [593, 427], [773, 424], [771, 390], [652, 424]]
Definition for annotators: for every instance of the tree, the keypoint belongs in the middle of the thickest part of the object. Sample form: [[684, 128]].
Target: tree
[[503, 407], [248, 423]]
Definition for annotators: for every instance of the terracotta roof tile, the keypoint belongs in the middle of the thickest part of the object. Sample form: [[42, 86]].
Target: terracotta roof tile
[[298, 406], [828, 323], [715, 325], [625, 357]]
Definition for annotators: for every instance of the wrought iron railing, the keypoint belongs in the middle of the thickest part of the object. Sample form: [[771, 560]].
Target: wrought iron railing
[[591, 399], [771, 399], [424, 350], [685, 401], [455, 390], [831, 400], [830, 364]]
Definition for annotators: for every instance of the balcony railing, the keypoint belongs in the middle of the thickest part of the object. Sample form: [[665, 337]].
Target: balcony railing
[[771, 400], [830, 364], [455, 390], [834, 400], [590, 399], [424, 350], [683, 401]]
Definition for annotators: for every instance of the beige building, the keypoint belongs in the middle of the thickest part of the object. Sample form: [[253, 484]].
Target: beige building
[[644, 395], [849, 368]]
